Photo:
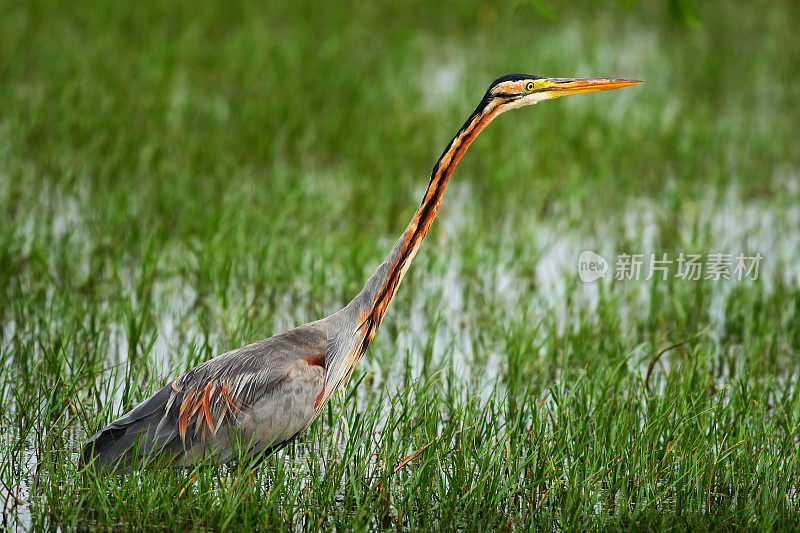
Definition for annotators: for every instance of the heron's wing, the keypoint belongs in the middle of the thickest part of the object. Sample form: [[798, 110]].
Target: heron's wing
[[245, 415], [259, 396]]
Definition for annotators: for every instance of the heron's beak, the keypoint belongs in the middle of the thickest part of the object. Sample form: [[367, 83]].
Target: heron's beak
[[567, 86]]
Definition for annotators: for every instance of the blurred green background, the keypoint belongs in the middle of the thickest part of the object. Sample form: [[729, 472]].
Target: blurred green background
[[180, 178]]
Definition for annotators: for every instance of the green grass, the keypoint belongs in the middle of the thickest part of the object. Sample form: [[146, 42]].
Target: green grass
[[178, 179]]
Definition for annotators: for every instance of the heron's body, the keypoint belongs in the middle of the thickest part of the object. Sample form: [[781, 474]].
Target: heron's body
[[257, 398]]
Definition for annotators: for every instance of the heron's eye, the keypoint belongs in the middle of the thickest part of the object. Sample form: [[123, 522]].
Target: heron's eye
[[529, 86]]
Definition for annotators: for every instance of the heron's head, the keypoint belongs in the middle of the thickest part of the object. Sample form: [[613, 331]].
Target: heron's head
[[516, 90]]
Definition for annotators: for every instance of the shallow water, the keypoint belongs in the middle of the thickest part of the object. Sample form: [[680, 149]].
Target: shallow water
[[734, 225]]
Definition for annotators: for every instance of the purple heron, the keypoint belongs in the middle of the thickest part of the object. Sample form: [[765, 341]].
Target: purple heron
[[248, 402]]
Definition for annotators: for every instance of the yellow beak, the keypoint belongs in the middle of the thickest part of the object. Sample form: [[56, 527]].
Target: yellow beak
[[567, 86]]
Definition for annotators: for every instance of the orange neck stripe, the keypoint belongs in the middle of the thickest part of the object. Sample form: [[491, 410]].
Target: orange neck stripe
[[423, 218]]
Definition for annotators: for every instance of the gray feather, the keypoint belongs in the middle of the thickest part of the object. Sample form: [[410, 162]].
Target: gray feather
[[256, 394]]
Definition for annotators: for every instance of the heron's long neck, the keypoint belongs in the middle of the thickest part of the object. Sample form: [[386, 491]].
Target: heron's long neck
[[372, 302]]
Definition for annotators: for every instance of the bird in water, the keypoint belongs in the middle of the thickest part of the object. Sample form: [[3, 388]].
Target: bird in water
[[246, 403]]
